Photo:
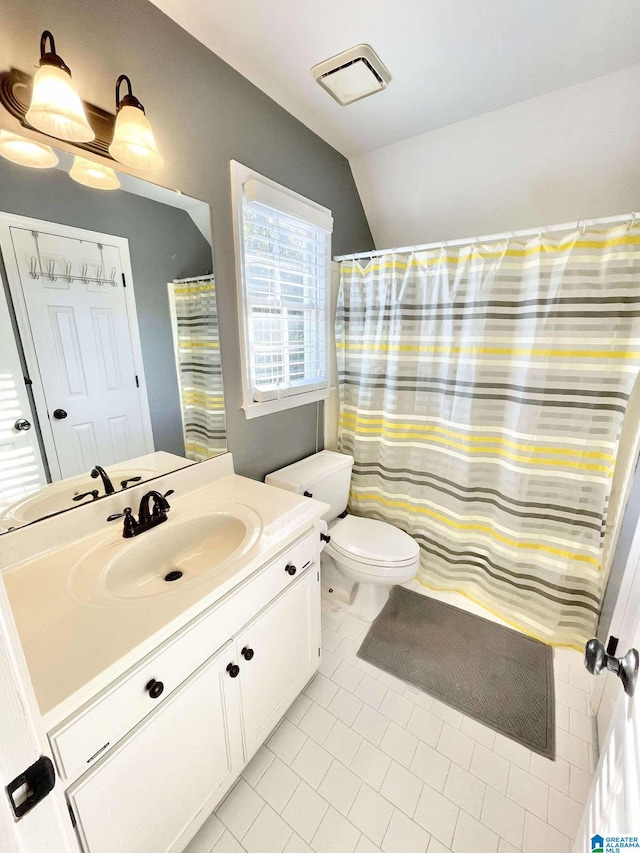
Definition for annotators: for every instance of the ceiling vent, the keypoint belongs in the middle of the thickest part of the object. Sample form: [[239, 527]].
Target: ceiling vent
[[354, 74]]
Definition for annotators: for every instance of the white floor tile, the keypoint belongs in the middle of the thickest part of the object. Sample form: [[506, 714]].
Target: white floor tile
[[348, 650], [328, 663], [399, 744], [418, 697], [581, 725], [371, 764], [371, 724], [554, 773], [425, 725], [317, 723], [342, 742], [321, 689], [446, 714], [528, 791], [347, 676], [564, 814], [345, 706], [240, 808], [456, 746], [371, 813], [504, 817], [298, 709], [340, 787], [366, 846], [562, 716], [256, 768], [277, 785], [333, 617], [505, 847], [573, 749], [287, 740], [430, 766], [335, 834], [579, 784], [297, 845], [472, 837], [436, 847], [401, 788], [227, 844], [353, 628], [514, 752], [371, 691], [268, 833], [539, 836], [391, 681], [403, 835], [478, 732], [572, 696], [304, 811], [312, 762], [490, 767], [396, 707], [208, 834], [330, 639], [437, 814], [465, 790]]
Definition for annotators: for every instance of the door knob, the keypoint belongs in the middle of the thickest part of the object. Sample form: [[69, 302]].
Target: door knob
[[247, 653], [154, 688], [22, 425], [626, 668], [59, 414]]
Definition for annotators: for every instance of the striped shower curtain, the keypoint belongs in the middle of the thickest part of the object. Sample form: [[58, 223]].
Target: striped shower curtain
[[197, 345], [482, 393]]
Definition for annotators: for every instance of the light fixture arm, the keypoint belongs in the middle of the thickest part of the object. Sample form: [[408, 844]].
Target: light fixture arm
[[50, 57], [129, 100]]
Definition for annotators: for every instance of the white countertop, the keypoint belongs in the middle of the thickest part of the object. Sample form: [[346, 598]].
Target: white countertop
[[74, 649]]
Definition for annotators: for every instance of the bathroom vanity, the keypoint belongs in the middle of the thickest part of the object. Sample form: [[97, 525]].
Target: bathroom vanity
[[156, 694]]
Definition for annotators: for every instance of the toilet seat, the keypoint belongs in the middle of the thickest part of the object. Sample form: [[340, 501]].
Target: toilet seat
[[372, 547]]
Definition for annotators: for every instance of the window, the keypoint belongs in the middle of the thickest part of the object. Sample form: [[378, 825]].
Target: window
[[283, 245]]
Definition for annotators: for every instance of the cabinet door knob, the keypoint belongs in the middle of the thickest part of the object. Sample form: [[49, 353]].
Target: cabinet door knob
[[22, 425], [59, 414], [234, 670], [154, 688], [290, 570], [247, 653]]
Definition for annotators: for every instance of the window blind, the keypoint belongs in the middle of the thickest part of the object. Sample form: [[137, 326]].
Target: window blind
[[286, 285]]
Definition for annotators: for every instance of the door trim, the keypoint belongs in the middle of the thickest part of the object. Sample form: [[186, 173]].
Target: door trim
[[8, 220]]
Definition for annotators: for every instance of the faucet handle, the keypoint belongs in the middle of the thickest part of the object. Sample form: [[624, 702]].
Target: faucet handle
[[170, 492], [130, 523], [125, 483], [94, 495]]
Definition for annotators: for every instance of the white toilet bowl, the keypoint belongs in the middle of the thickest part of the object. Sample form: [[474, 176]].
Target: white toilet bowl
[[364, 559]]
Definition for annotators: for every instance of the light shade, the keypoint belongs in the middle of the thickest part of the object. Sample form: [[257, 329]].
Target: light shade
[[56, 108], [133, 141], [26, 152], [93, 175]]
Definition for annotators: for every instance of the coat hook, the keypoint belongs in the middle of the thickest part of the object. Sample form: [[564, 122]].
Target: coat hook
[[33, 267], [51, 268], [114, 283], [84, 273]]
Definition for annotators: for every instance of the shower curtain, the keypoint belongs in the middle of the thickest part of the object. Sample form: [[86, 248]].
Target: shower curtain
[[197, 346], [482, 393]]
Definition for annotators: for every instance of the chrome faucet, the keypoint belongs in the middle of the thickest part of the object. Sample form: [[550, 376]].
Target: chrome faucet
[[98, 471], [153, 510]]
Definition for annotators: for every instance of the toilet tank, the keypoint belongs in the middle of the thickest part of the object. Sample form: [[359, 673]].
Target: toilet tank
[[325, 476]]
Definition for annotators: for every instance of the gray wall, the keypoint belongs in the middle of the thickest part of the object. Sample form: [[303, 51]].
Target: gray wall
[[204, 114], [164, 244]]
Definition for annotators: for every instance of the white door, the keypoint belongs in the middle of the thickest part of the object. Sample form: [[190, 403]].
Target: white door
[[21, 470], [285, 641], [78, 340], [146, 795], [613, 805]]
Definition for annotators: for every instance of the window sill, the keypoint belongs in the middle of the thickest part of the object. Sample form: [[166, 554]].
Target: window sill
[[256, 410]]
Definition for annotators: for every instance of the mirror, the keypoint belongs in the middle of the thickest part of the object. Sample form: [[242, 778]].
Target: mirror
[[110, 369]]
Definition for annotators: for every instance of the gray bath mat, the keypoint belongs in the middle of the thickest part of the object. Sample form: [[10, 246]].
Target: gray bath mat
[[498, 676]]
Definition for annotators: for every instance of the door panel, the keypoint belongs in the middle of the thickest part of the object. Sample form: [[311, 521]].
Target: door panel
[[21, 469], [284, 639], [144, 795], [82, 342]]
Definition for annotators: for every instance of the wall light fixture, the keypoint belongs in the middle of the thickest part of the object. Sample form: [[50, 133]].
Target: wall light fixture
[[93, 175], [26, 152], [133, 140]]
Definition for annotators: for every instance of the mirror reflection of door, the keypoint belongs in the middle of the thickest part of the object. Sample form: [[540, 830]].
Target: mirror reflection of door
[[82, 347]]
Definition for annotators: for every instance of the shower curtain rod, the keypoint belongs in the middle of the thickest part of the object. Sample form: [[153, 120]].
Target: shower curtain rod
[[505, 235], [208, 277]]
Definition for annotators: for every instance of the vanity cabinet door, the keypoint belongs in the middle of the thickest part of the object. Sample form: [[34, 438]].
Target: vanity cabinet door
[[278, 653], [145, 795]]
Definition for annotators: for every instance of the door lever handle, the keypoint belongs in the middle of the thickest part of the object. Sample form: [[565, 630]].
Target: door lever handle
[[626, 668]]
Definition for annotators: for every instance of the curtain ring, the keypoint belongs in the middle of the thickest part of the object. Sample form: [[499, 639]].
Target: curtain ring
[[583, 227], [634, 216]]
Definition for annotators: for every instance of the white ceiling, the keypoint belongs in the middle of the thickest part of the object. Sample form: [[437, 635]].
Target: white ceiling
[[449, 59]]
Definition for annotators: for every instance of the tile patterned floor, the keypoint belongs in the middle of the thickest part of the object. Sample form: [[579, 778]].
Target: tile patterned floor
[[364, 763]]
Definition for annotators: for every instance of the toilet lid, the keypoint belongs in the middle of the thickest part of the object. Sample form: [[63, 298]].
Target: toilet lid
[[369, 540]]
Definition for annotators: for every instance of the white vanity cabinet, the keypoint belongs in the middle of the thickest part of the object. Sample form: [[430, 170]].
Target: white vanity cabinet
[[161, 773]]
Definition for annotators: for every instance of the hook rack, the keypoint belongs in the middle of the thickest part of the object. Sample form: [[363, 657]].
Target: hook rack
[[36, 269]]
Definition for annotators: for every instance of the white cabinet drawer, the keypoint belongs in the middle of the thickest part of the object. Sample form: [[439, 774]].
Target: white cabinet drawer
[[98, 725]]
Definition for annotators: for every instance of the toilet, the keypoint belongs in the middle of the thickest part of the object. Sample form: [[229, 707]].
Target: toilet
[[364, 558]]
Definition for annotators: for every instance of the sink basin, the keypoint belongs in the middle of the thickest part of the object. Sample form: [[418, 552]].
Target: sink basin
[[169, 557]]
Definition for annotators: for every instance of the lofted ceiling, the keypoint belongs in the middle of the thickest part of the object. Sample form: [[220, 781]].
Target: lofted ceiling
[[449, 59]]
